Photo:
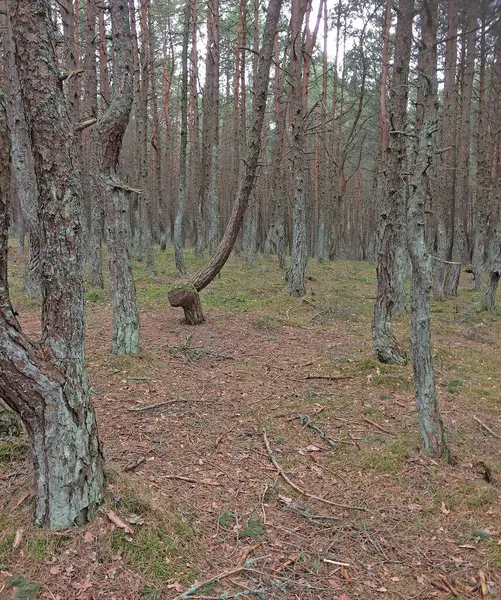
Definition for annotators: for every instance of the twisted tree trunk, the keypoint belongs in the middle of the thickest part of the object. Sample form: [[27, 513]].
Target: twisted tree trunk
[[48, 387]]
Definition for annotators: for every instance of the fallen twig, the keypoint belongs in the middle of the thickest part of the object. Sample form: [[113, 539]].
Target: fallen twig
[[329, 377], [336, 562], [288, 563], [488, 429], [191, 480], [135, 464], [246, 553], [198, 586], [160, 404], [296, 487], [308, 422], [376, 425]]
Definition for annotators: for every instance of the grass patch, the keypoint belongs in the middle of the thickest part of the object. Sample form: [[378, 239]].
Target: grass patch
[[386, 460], [10, 451]]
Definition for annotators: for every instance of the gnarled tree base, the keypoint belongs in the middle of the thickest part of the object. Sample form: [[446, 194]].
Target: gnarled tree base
[[186, 296]]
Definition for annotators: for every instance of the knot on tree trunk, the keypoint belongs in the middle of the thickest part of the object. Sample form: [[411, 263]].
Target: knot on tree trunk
[[186, 296]]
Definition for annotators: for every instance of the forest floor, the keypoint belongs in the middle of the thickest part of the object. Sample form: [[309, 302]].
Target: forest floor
[[186, 426]]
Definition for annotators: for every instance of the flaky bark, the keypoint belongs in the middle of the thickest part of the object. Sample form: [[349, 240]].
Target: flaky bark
[[108, 135], [51, 393], [23, 172], [391, 230], [430, 419], [247, 178]]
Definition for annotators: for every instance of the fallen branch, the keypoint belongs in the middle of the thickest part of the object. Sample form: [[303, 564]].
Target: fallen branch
[[488, 429], [191, 480], [296, 487], [376, 426], [198, 586], [159, 404], [329, 377], [307, 421]]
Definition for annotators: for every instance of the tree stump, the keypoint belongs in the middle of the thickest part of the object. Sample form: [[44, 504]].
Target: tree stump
[[9, 423], [186, 296]]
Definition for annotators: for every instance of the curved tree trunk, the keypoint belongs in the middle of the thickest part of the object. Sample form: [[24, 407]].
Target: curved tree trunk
[[48, 387], [187, 295], [108, 135]]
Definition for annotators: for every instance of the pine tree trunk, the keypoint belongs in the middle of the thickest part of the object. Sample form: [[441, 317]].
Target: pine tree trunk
[[108, 135], [461, 192], [23, 172], [178, 225], [48, 387], [391, 263], [186, 295], [430, 420]]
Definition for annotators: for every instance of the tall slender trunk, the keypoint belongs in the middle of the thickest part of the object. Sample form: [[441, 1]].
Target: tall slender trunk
[[182, 180], [430, 419], [299, 251], [391, 226], [461, 190]]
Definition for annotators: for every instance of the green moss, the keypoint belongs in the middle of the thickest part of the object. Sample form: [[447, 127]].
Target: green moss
[[226, 519], [253, 528]]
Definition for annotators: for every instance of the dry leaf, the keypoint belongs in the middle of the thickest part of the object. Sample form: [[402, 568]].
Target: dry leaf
[[344, 573], [334, 584], [312, 448], [18, 538], [175, 586], [5, 574], [381, 589], [468, 546], [81, 586], [55, 570], [88, 537], [285, 500], [414, 507], [343, 597], [444, 509], [118, 522]]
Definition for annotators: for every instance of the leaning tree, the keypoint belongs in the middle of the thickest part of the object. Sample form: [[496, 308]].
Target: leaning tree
[[186, 294], [47, 384]]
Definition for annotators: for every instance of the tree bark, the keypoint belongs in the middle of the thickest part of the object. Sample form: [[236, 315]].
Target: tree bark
[[461, 191], [108, 135], [430, 420], [182, 295], [23, 171], [390, 261], [51, 394], [179, 222]]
